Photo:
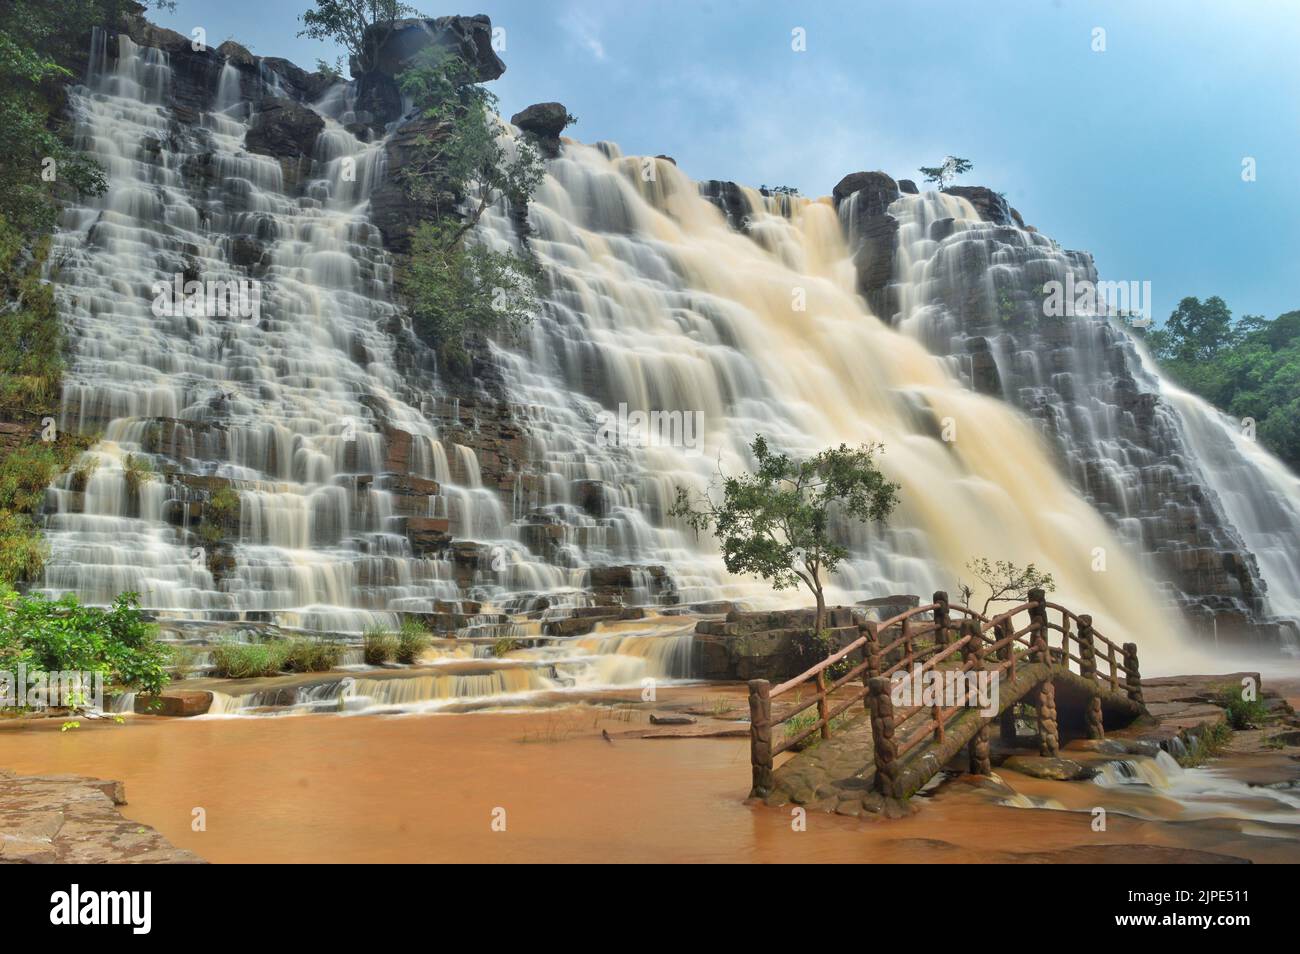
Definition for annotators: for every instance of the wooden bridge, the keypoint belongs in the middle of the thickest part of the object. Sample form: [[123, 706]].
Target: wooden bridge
[[1096, 682]]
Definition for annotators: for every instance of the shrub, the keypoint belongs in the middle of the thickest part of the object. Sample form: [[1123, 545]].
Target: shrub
[[379, 646], [505, 644], [412, 640], [234, 660], [57, 635], [311, 655], [137, 471], [1242, 713]]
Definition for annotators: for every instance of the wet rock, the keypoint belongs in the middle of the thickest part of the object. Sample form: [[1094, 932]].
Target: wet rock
[[990, 205], [730, 200], [428, 534], [283, 129], [236, 55], [872, 192], [1055, 769], [907, 186], [177, 703]]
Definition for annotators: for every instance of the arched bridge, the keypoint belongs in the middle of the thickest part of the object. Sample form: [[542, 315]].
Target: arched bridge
[[893, 750]]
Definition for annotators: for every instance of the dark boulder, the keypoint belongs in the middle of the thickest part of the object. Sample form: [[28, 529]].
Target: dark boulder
[[990, 205], [470, 38], [283, 129], [730, 199], [543, 122], [907, 186], [236, 55], [874, 191]]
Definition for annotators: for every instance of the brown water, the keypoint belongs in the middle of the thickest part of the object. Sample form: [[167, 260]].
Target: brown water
[[424, 789]]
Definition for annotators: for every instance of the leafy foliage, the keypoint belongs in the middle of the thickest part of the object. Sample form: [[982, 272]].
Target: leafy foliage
[[453, 286], [1005, 582], [24, 474], [56, 635], [777, 522], [941, 176], [1250, 368], [234, 660], [361, 26]]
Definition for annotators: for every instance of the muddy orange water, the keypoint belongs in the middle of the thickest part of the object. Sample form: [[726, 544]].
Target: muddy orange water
[[425, 788]]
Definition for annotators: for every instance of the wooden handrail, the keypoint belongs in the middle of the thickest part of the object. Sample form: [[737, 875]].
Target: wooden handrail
[[979, 651]]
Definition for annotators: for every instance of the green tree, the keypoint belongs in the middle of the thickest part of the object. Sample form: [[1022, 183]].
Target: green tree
[[777, 523], [1250, 369], [360, 26], [942, 175], [453, 285], [1196, 331]]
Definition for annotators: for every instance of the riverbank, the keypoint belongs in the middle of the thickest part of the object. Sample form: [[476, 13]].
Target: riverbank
[[581, 782]]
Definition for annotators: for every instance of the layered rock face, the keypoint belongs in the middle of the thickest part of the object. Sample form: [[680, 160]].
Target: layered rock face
[[960, 272]]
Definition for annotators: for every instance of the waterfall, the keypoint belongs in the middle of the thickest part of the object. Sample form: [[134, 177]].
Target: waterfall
[[655, 303]]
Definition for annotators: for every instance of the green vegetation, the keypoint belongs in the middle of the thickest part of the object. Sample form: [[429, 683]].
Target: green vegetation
[[234, 660], [62, 635], [361, 26], [412, 640], [941, 176], [1242, 713], [455, 286], [1005, 582], [24, 474], [379, 646], [220, 515], [1206, 745], [505, 645], [777, 522], [307, 654], [1250, 368]]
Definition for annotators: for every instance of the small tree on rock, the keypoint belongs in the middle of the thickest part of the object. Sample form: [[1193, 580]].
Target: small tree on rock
[[941, 176], [776, 522], [362, 26]]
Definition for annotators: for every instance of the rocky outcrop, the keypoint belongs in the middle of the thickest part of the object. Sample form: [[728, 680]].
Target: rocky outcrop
[[543, 123], [73, 819], [283, 129], [991, 206], [730, 200], [773, 645], [862, 198]]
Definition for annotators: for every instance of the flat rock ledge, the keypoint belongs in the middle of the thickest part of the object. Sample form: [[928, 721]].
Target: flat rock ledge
[[73, 819]]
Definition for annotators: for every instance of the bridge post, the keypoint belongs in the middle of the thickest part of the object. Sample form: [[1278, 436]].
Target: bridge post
[[978, 750], [760, 736], [1088, 670], [1007, 723], [884, 748], [871, 652], [940, 618], [1038, 614], [1132, 678], [1049, 740]]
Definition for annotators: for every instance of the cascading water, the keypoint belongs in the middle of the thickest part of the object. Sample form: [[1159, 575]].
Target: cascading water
[[1212, 516], [655, 301]]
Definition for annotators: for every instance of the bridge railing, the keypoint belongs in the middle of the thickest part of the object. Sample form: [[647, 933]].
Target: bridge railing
[[938, 636]]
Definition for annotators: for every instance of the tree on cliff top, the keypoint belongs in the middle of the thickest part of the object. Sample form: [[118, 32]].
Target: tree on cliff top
[[942, 175], [361, 26], [776, 522]]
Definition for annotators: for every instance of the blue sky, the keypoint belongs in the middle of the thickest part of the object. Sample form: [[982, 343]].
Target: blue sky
[[1134, 153]]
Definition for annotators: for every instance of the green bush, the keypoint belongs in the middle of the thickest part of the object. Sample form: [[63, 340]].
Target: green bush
[[380, 646], [234, 660], [58, 635], [412, 640], [1242, 713], [305, 654]]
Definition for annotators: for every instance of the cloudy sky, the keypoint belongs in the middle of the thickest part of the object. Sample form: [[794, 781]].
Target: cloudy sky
[[1134, 152]]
